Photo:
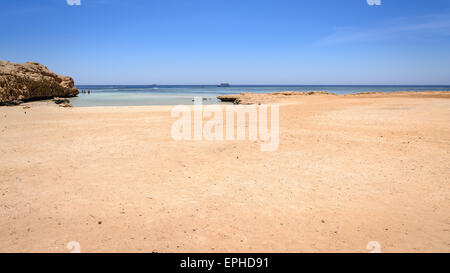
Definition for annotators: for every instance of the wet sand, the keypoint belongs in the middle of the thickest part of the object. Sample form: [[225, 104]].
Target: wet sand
[[349, 170]]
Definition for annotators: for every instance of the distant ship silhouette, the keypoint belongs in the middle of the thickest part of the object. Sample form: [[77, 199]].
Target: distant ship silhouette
[[223, 85]]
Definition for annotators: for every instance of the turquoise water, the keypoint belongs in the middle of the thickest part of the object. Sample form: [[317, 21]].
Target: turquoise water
[[130, 95]]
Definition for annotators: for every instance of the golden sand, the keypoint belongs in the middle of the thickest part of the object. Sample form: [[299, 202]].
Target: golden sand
[[349, 170]]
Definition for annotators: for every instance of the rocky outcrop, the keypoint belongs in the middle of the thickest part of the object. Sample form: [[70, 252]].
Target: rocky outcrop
[[60, 100], [28, 81]]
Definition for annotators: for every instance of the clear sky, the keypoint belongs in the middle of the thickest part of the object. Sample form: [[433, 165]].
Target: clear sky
[[235, 41]]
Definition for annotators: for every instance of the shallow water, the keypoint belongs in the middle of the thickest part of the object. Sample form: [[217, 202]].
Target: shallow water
[[127, 95]]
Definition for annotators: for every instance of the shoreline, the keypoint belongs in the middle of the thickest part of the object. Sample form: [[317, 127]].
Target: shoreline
[[258, 98]]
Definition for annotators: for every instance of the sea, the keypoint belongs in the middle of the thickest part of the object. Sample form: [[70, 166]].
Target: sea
[[138, 95]]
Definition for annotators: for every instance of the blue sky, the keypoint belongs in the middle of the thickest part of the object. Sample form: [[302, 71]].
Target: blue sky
[[236, 41]]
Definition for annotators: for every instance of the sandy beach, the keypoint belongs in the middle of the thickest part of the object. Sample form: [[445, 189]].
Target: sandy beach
[[348, 170]]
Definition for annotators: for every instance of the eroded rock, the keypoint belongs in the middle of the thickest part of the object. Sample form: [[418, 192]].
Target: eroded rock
[[60, 100], [29, 81], [11, 103]]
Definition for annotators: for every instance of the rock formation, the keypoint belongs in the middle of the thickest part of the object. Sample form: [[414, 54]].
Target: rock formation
[[60, 100], [30, 81]]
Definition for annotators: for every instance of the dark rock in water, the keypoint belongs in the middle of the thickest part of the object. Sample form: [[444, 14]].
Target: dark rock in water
[[60, 100], [228, 98], [11, 103], [32, 81]]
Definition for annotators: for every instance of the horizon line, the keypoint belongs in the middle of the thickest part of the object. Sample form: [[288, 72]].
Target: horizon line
[[262, 85], [277, 85]]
